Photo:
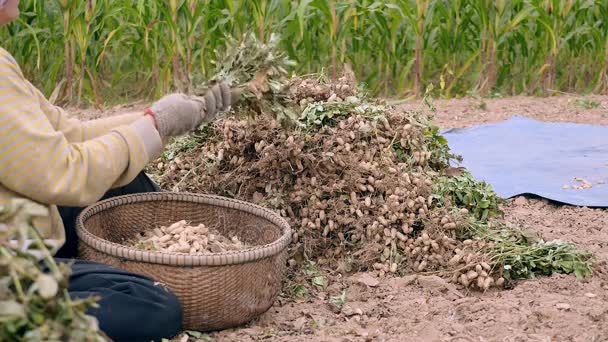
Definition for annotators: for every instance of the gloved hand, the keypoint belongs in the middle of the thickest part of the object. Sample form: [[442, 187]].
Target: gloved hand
[[217, 99], [177, 114]]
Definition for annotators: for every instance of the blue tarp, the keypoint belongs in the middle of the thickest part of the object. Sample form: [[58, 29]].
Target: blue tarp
[[525, 156]]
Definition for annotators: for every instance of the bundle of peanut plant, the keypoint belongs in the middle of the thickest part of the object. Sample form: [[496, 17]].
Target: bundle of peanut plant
[[259, 70], [34, 302]]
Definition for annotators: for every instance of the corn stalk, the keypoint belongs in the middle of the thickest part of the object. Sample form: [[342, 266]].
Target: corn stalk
[[146, 48]]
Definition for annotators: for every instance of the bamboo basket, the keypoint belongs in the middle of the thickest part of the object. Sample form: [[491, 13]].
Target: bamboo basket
[[216, 291]]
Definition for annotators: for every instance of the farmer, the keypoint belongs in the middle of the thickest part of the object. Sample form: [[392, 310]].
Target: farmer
[[63, 163]]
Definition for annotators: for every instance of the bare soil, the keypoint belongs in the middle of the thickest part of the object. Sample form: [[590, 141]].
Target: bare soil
[[465, 112], [426, 308]]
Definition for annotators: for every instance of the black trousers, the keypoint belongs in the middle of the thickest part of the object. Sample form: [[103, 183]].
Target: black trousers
[[131, 307]]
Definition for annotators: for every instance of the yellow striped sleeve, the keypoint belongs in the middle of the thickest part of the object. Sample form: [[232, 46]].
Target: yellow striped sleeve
[[76, 130], [38, 162], [73, 129]]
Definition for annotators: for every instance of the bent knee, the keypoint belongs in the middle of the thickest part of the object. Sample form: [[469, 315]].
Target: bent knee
[[174, 312], [166, 322], [141, 313]]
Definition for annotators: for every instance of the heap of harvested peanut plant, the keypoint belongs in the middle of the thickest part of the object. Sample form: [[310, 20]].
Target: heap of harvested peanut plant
[[364, 186]]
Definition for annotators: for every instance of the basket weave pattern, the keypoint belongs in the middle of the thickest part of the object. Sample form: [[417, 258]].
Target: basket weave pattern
[[216, 291]]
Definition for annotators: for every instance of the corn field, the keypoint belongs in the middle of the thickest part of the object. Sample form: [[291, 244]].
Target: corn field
[[98, 51]]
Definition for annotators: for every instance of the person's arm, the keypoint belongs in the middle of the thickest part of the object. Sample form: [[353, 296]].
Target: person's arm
[[38, 161], [73, 129], [76, 130]]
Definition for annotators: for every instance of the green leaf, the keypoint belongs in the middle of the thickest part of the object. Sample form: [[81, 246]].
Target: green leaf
[[442, 140], [319, 281], [195, 334], [484, 204], [299, 291], [38, 318], [339, 300], [198, 335]]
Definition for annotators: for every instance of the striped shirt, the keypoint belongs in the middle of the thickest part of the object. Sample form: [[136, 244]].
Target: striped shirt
[[53, 159]]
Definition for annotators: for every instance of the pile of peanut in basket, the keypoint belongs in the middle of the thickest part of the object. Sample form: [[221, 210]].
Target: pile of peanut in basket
[[181, 237]]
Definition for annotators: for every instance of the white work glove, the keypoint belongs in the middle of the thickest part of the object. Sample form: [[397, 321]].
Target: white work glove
[[178, 114]]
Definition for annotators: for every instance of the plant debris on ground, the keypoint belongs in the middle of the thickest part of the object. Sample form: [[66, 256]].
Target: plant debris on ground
[[34, 302], [364, 186]]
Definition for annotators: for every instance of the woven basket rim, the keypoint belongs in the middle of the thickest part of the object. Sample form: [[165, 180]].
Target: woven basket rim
[[181, 259]]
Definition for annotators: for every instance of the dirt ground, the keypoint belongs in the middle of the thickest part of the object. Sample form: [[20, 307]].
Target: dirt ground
[[426, 308], [457, 113]]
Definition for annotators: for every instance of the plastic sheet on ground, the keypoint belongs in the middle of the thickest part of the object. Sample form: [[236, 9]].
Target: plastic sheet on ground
[[525, 156]]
